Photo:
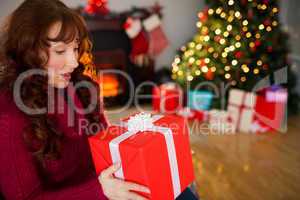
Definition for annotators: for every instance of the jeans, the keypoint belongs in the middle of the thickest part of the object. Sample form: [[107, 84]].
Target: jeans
[[187, 195]]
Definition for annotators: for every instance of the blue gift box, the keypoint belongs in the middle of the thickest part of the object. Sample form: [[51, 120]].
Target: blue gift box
[[199, 99]]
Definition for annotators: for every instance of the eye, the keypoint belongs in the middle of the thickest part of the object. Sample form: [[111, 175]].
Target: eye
[[60, 52]]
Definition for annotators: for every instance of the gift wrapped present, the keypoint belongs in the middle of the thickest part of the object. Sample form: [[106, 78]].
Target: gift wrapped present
[[270, 109], [220, 121], [199, 99], [190, 114], [241, 109], [153, 150], [167, 98]]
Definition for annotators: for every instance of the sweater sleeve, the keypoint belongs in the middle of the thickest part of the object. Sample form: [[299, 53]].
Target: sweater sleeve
[[19, 178], [90, 189]]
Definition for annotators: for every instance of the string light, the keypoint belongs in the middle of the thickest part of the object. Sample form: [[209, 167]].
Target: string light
[[215, 55], [245, 68], [204, 69], [238, 45], [229, 27], [210, 49], [191, 60], [199, 24], [227, 68], [252, 44], [199, 46], [218, 31], [248, 34], [234, 62], [237, 37], [269, 28], [192, 44], [275, 10], [219, 10], [177, 60], [257, 35], [200, 15], [259, 63], [224, 54], [205, 30], [226, 34], [198, 62], [180, 73], [206, 38], [243, 79], [237, 14], [274, 23], [227, 76], [175, 69], [223, 15], [213, 69], [197, 72], [245, 28], [245, 22], [210, 11], [206, 60], [263, 7], [256, 71], [261, 27], [190, 78], [230, 18], [222, 41], [230, 2]]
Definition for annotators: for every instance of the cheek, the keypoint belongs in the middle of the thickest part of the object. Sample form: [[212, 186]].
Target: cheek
[[55, 62]]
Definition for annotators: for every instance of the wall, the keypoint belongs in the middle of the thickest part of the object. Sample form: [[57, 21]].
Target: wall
[[179, 21]]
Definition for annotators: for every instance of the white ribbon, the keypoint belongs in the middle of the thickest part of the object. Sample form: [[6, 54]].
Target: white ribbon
[[144, 122]]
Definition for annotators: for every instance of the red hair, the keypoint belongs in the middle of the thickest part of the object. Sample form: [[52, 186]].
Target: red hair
[[25, 37]]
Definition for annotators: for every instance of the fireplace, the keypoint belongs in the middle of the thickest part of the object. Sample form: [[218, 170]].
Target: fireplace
[[111, 50]]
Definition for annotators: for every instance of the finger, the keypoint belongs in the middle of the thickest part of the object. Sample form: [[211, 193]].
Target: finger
[[110, 170], [134, 196], [137, 187]]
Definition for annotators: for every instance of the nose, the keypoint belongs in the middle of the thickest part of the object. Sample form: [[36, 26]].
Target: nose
[[72, 61]]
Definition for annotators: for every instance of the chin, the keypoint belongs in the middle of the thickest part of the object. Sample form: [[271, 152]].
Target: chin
[[62, 85]]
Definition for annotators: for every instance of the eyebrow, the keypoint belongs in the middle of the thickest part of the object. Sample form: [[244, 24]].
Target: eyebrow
[[62, 44]]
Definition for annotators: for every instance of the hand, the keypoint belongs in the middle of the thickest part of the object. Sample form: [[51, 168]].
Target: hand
[[116, 189]]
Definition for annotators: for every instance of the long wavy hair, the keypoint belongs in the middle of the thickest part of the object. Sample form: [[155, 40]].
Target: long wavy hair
[[24, 37]]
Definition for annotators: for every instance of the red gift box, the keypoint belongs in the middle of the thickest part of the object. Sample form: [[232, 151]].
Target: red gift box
[[156, 155], [167, 98], [269, 114]]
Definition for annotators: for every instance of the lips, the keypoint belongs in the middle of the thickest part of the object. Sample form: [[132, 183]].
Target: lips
[[67, 76]]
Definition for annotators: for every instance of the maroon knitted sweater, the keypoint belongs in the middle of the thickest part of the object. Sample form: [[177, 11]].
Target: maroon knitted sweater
[[71, 176]]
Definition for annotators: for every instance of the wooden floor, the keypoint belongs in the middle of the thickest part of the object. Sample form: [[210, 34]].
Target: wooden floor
[[244, 166]]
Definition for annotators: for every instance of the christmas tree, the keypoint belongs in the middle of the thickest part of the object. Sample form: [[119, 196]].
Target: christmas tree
[[238, 43], [97, 7]]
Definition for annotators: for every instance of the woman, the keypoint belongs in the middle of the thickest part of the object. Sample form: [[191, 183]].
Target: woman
[[42, 156]]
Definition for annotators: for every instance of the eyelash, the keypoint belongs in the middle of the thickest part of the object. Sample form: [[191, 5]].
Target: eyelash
[[61, 52]]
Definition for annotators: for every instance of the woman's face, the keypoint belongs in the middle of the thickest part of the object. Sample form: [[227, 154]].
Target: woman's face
[[63, 59]]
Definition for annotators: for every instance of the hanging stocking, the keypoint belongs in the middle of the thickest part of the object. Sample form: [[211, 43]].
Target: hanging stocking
[[157, 38], [139, 41]]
